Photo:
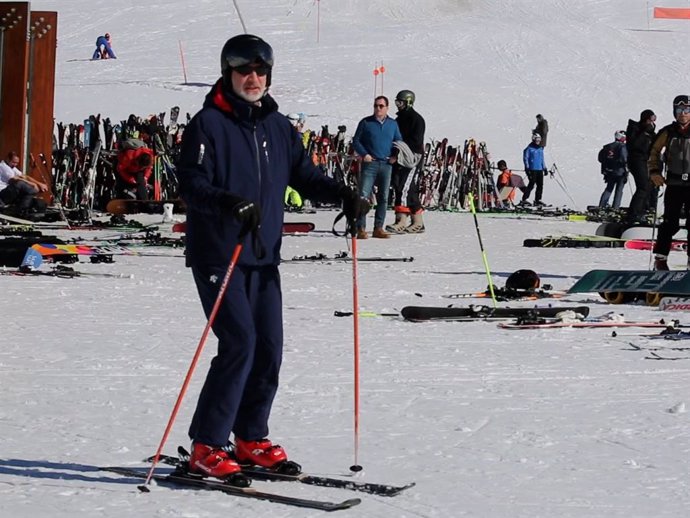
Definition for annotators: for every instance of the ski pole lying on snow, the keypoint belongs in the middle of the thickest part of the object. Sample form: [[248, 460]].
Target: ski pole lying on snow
[[211, 318]]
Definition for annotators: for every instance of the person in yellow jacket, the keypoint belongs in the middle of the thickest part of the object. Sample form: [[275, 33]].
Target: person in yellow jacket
[[293, 200]]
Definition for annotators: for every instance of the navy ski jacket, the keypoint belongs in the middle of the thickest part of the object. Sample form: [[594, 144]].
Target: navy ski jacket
[[231, 146]]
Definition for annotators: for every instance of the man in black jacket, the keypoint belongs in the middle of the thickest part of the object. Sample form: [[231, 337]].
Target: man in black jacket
[[640, 135], [542, 129], [671, 149], [405, 185]]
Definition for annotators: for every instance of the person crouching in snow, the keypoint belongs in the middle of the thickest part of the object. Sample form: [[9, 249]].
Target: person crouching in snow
[[104, 50], [134, 168]]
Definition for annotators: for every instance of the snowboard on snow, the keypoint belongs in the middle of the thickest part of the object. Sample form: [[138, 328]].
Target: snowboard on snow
[[424, 313], [128, 206], [644, 244], [634, 281], [680, 304], [288, 227], [574, 242], [13, 249], [626, 286]]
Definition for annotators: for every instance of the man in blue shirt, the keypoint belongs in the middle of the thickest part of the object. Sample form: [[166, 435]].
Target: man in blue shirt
[[535, 168], [373, 141]]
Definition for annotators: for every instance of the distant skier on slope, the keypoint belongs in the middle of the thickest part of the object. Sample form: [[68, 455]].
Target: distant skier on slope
[[104, 49], [542, 128], [613, 158], [639, 138]]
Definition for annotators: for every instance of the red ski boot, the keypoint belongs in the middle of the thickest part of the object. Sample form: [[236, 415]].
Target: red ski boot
[[261, 453], [212, 461]]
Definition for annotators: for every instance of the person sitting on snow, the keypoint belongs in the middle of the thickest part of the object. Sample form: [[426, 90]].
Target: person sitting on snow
[[507, 182], [104, 50]]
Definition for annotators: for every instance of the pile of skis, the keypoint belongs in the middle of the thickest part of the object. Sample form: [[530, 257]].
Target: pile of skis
[[84, 160]]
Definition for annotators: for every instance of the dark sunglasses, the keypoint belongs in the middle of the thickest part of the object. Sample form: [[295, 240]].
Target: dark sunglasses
[[380, 106], [246, 70]]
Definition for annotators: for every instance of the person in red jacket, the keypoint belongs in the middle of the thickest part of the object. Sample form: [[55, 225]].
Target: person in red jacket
[[134, 167], [507, 183]]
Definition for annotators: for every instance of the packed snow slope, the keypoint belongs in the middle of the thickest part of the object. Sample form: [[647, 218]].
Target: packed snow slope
[[490, 423], [480, 69]]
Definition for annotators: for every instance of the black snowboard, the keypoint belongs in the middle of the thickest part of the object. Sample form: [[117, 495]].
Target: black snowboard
[[127, 206], [421, 313]]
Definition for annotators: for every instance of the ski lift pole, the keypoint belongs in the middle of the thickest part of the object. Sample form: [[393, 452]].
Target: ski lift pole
[[481, 247]]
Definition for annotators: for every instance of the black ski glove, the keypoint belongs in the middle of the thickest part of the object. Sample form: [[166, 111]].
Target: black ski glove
[[246, 212], [354, 206]]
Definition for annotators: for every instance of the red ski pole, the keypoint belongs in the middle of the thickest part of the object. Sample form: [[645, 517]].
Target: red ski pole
[[211, 318], [355, 316]]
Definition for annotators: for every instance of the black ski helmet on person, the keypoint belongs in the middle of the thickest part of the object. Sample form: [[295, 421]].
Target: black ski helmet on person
[[680, 101], [405, 97], [245, 49]]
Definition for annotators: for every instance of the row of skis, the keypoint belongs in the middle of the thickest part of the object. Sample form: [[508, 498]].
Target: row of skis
[[84, 165], [84, 161]]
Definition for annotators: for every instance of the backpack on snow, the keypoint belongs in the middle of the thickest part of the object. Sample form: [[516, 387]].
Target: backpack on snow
[[610, 158]]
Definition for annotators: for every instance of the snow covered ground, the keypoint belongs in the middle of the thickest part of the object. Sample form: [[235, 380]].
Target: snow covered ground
[[488, 422]]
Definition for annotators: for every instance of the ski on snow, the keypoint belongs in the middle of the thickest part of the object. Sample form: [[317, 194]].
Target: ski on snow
[[258, 473], [180, 479], [425, 313]]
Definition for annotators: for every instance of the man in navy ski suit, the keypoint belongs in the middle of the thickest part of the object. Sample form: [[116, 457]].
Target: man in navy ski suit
[[238, 156]]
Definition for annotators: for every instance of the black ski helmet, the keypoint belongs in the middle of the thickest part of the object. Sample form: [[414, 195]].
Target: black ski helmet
[[406, 96], [245, 49], [680, 100]]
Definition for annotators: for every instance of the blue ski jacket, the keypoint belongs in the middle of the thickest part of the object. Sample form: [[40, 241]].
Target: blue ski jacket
[[533, 158], [251, 151], [376, 138]]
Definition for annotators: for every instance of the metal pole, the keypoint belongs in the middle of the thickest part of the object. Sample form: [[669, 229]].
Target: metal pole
[[30, 78], [239, 15]]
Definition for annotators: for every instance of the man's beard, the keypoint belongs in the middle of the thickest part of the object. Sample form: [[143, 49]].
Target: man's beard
[[253, 97]]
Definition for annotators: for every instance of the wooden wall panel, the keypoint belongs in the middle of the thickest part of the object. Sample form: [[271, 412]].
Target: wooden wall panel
[[14, 21], [41, 97]]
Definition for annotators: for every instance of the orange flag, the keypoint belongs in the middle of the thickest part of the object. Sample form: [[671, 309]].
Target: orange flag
[[672, 12]]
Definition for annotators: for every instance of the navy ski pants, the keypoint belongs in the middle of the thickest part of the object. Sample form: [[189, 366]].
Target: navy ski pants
[[243, 378]]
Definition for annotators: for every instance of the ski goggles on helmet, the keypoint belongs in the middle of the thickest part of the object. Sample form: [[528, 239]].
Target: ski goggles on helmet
[[250, 50]]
